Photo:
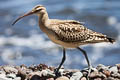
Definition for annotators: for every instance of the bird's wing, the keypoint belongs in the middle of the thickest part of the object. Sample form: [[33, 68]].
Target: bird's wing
[[74, 31]]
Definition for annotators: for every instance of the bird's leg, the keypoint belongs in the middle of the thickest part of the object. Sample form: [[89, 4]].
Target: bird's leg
[[89, 64], [63, 60]]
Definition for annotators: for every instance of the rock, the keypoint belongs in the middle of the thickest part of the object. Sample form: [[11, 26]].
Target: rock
[[83, 78], [118, 66], [50, 79], [113, 69], [11, 76], [50, 73], [47, 72], [63, 78], [93, 74], [17, 78], [43, 72], [2, 75], [4, 79], [115, 75], [102, 67], [9, 69], [97, 79], [76, 76], [110, 78], [106, 72]]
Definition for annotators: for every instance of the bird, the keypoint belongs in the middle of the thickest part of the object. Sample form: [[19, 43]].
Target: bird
[[67, 33]]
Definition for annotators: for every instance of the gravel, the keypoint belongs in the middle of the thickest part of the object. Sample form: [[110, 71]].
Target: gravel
[[44, 72]]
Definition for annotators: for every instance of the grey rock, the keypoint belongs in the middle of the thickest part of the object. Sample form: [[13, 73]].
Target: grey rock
[[17, 78], [10, 69], [50, 73], [2, 75], [103, 67], [113, 69], [76, 76], [44, 72], [11, 76], [5, 79]]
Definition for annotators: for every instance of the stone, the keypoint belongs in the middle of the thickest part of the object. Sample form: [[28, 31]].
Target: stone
[[76, 76], [113, 69], [9, 69], [17, 78], [106, 72], [63, 78], [11, 76], [83, 78], [101, 67]]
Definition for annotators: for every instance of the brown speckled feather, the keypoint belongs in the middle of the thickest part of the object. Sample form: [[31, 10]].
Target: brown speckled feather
[[74, 31]]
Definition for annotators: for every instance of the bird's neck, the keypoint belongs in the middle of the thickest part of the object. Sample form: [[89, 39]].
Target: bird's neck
[[44, 19]]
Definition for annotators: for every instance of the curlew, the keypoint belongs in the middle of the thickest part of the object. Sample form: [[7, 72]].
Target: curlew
[[67, 33]]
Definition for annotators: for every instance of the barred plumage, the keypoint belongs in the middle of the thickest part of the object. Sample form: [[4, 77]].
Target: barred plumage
[[71, 31]]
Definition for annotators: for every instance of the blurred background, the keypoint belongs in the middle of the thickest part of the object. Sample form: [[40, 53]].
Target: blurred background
[[24, 43]]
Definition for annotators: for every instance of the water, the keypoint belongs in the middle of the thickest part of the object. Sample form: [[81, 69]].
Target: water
[[24, 43]]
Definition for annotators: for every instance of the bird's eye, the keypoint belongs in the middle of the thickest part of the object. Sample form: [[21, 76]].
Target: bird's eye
[[38, 10]]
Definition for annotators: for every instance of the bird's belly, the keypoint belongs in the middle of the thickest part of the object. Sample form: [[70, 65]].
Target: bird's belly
[[62, 43]]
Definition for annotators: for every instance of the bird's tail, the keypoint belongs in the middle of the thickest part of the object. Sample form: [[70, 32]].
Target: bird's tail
[[111, 40]]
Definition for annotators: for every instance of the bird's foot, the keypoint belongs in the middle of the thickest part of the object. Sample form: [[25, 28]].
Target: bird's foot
[[88, 72], [57, 73], [90, 69]]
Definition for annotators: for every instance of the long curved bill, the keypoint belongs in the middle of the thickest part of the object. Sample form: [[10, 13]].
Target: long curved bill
[[27, 14]]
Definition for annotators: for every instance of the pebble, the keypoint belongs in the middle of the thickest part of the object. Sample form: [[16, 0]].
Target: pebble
[[102, 67], [106, 72], [44, 73], [63, 78], [2, 75], [50, 79], [83, 78], [5, 79], [9, 69], [17, 78], [113, 69], [98, 79], [61, 70], [118, 65], [76, 76], [101, 72]]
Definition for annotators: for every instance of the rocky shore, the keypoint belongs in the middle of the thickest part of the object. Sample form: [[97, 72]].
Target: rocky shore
[[44, 72]]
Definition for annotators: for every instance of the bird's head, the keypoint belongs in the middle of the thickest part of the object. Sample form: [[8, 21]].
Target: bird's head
[[36, 10]]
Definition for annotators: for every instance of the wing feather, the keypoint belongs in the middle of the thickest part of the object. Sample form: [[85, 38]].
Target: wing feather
[[74, 31]]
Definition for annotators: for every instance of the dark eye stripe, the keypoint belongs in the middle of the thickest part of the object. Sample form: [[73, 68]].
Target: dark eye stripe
[[38, 10]]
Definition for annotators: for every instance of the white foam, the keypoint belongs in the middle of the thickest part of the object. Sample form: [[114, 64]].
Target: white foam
[[112, 20], [35, 41]]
